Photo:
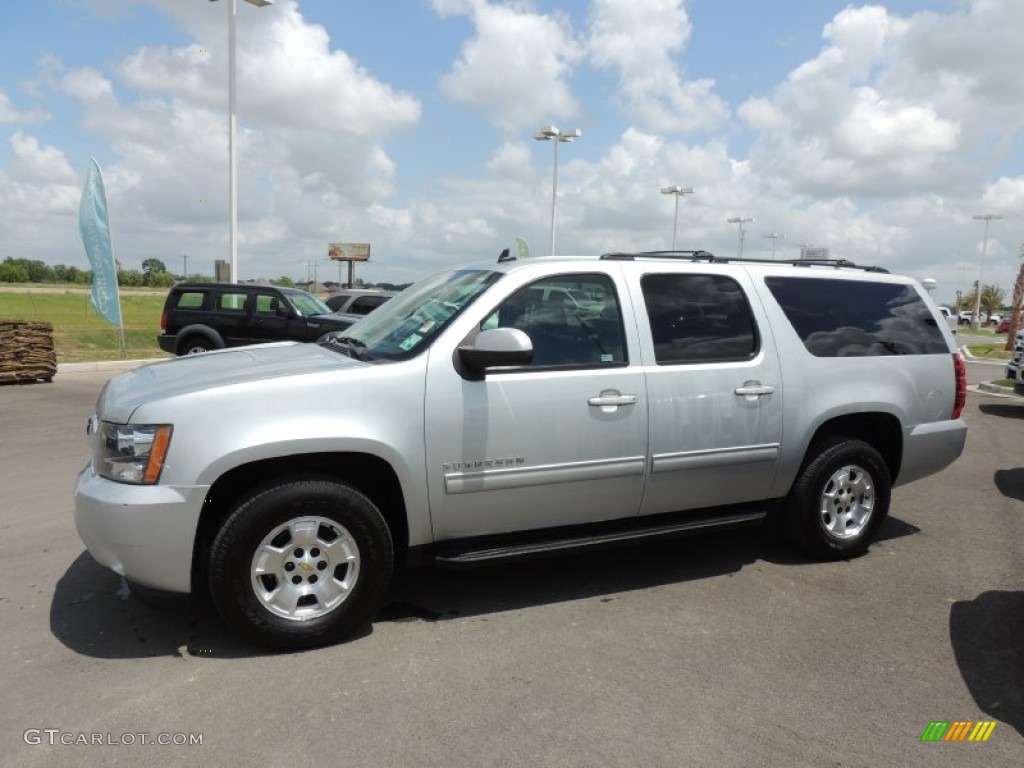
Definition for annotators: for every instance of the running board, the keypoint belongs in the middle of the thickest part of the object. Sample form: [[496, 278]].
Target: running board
[[486, 551]]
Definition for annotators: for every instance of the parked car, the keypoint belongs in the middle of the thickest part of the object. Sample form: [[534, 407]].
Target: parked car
[[202, 317], [1015, 367], [358, 302], [507, 411]]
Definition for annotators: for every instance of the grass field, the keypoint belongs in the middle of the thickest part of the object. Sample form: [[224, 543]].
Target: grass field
[[79, 334]]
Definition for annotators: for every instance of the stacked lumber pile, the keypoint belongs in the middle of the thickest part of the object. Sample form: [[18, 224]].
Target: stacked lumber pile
[[26, 352]]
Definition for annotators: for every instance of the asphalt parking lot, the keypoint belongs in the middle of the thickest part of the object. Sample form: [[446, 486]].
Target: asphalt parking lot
[[726, 650]]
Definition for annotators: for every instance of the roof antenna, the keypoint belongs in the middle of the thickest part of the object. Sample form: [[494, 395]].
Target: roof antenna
[[505, 256]]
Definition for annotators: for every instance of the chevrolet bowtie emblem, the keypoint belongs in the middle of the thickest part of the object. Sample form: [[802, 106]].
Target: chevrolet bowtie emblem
[[306, 566]]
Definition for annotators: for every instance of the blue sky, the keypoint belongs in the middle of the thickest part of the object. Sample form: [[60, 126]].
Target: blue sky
[[876, 130]]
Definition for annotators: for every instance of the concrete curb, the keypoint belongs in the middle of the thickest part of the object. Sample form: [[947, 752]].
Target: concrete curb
[[968, 357], [107, 365], [988, 388]]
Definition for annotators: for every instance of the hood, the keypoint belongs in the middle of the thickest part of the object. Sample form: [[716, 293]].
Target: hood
[[126, 392]]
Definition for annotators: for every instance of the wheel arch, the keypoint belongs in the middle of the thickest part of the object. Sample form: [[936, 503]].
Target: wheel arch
[[880, 430], [371, 475]]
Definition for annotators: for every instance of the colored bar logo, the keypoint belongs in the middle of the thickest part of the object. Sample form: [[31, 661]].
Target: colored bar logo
[[958, 730]]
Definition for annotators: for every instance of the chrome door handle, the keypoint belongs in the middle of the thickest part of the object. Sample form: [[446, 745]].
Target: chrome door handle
[[605, 400], [753, 390]]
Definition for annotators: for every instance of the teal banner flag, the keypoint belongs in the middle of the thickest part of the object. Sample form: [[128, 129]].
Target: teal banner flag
[[95, 230]]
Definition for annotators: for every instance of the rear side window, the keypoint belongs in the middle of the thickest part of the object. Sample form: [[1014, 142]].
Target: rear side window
[[851, 318], [364, 305], [698, 319], [191, 299], [231, 302]]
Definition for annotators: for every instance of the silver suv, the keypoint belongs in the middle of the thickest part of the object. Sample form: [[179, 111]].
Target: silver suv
[[518, 409]]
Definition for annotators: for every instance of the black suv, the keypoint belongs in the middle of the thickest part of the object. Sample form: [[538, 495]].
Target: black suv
[[204, 316]]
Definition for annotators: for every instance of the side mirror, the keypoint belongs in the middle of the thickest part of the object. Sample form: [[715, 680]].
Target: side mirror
[[494, 348]]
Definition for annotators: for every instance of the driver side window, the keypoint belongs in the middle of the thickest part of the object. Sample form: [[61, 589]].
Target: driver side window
[[572, 321]]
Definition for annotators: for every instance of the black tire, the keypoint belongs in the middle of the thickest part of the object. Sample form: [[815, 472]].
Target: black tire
[[294, 523], [194, 345], [839, 500]]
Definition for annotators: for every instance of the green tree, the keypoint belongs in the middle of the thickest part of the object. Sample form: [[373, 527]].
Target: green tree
[[130, 278], [992, 298], [284, 282], [35, 270], [153, 265], [10, 272]]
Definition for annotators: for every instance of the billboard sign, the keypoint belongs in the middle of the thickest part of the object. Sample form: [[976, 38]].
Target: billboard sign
[[348, 251]]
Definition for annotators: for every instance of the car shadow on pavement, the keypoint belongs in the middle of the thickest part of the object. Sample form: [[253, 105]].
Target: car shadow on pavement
[[434, 594], [1010, 482], [987, 634], [94, 613], [1004, 410]]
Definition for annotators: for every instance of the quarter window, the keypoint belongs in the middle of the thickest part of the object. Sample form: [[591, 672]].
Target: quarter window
[[191, 300], [572, 320], [698, 319], [854, 318]]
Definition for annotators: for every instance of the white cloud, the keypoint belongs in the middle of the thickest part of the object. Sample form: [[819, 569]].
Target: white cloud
[[31, 162], [11, 114], [286, 73], [640, 39], [894, 106], [516, 67]]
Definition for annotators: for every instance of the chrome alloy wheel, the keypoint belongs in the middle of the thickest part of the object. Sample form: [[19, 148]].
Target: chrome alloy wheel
[[847, 502], [305, 568]]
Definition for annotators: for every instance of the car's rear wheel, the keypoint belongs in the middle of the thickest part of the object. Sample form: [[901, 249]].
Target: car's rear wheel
[[301, 563], [195, 345], [840, 499]]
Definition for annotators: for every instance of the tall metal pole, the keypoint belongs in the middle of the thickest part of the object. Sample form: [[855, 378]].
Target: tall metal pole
[[551, 133], [678, 191], [741, 221], [976, 319], [675, 222], [554, 192], [232, 160], [775, 236]]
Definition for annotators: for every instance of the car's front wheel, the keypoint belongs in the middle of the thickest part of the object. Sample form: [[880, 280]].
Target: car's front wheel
[[300, 563], [839, 500]]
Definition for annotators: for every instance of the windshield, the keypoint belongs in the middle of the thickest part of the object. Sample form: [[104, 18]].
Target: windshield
[[409, 322], [307, 304]]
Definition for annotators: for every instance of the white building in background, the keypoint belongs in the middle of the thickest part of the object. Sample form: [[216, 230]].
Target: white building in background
[[814, 252]]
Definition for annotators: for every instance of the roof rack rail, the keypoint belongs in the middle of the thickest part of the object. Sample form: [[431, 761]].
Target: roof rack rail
[[712, 259], [691, 255]]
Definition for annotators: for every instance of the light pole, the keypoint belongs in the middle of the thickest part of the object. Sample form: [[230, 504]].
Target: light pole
[[184, 275], [775, 236], [552, 134], [678, 191], [976, 319], [232, 162], [741, 221]]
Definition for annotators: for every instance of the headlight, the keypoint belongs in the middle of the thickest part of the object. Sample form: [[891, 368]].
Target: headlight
[[132, 453]]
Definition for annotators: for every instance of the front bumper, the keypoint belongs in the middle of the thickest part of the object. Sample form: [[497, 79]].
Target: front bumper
[[145, 533]]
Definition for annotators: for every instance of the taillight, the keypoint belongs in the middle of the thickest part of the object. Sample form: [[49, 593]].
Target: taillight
[[960, 372], [163, 322]]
